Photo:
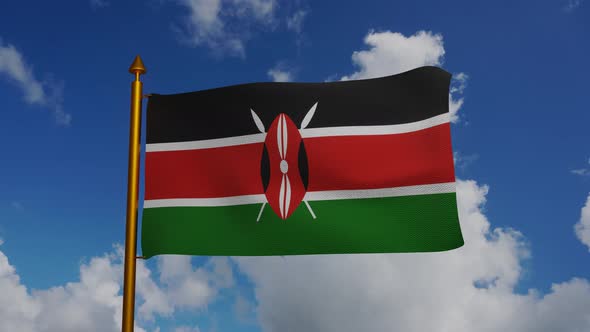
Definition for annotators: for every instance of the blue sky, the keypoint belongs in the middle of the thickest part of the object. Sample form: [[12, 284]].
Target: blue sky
[[521, 141]]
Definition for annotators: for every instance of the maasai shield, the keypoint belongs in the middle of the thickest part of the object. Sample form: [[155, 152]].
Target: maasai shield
[[285, 188]]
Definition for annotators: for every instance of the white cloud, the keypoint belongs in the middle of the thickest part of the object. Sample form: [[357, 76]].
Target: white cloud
[[461, 82], [295, 21], [96, 4], [17, 308], [91, 304], [244, 310], [280, 75], [392, 53], [572, 5], [456, 99], [222, 274], [187, 287], [462, 161], [204, 26], [582, 171], [259, 9], [207, 22], [94, 302], [155, 299], [468, 289], [582, 228], [45, 94], [13, 65], [187, 329]]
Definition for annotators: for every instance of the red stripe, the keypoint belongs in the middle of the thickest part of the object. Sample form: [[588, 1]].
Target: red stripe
[[380, 161], [204, 173], [335, 163]]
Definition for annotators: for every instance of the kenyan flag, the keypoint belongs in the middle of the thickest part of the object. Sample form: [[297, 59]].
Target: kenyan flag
[[302, 168]]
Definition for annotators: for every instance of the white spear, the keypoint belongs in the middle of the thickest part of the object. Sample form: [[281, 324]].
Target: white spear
[[306, 119], [260, 127]]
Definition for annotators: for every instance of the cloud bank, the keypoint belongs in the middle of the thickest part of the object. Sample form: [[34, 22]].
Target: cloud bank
[[45, 94], [582, 228], [222, 25], [94, 302]]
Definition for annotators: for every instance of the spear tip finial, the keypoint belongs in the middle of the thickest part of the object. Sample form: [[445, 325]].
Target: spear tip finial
[[137, 66]]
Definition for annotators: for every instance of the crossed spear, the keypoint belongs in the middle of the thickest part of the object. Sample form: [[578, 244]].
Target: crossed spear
[[282, 144]]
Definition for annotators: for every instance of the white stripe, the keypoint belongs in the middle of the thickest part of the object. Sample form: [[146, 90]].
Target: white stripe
[[376, 130], [426, 189], [305, 133], [206, 144], [221, 201]]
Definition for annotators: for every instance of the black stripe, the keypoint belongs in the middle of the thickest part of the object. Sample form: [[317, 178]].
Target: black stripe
[[224, 112]]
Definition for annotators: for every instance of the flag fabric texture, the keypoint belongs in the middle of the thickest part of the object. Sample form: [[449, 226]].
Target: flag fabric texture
[[360, 166]]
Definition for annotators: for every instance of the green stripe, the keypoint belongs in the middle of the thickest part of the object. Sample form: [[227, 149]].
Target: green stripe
[[378, 225]]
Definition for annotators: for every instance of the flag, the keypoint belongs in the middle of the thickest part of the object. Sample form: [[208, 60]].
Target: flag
[[360, 166]]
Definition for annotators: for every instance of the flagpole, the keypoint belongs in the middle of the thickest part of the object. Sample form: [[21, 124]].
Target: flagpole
[[137, 68]]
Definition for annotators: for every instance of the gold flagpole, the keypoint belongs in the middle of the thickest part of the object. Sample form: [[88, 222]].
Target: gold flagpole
[[137, 68]]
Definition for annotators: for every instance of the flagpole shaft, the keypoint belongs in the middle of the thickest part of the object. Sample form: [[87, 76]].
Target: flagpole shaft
[[132, 198]]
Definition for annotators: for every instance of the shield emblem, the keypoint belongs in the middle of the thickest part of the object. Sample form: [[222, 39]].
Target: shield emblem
[[283, 166], [283, 145]]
